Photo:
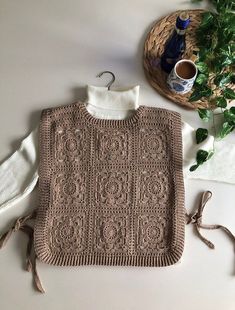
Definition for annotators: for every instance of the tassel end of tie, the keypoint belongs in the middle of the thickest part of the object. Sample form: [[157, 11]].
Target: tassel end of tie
[[39, 286], [210, 245]]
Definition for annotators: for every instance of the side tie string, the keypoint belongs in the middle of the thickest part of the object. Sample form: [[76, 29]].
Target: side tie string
[[20, 225], [196, 219]]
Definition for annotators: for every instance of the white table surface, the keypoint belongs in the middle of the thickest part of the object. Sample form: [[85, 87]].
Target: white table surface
[[50, 50]]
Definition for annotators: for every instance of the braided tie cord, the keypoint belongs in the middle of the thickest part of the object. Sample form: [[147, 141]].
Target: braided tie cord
[[196, 219], [20, 225]]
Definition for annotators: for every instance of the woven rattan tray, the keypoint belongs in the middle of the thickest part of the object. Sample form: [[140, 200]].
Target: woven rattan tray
[[153, 48]]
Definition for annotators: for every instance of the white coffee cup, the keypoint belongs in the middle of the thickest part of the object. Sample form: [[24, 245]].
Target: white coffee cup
[[182, 77]]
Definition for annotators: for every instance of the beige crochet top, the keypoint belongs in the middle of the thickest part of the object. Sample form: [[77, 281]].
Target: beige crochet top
[[111, 191]]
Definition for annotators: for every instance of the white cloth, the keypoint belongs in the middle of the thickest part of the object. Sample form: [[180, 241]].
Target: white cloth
[[118, 104], [219, 168], [19, 173]]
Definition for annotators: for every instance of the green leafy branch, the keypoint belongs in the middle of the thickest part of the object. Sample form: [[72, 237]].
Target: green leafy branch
[[216, 61]]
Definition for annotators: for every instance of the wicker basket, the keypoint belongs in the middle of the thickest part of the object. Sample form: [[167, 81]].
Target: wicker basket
[[154, 47]]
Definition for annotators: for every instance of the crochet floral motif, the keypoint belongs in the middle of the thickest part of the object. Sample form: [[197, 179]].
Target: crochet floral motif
[[154, 144], [70, 144], [112, 188], [155, 187], [153, 234], [112, 145], [66, 234], [111, 233], [69, 187]]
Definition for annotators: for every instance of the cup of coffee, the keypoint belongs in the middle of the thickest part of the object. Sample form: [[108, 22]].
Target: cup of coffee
[[182, 77]]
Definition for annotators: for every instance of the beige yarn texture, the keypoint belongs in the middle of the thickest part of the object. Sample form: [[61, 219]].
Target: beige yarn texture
[[111, 192]]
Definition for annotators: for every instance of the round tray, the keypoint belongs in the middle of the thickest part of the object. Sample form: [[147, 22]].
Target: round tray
[[153, 48]]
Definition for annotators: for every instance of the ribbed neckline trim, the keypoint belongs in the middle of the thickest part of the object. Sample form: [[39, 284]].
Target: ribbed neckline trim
[[119, 122]]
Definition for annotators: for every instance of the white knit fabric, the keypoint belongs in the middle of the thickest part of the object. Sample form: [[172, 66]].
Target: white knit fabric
[[109, 104], [19, 174]]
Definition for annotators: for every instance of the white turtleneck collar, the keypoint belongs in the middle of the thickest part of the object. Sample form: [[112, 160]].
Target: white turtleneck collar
[[112, 104]]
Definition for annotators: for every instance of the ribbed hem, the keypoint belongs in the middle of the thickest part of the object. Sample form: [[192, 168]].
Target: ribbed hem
[[61, 259]]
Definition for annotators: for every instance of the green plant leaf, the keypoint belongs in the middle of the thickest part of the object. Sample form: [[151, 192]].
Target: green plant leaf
[[201, 134], [201, 156], [225, 130], [232, 110], [221, 102], [200, 91], [196, 95], [224, 61], [223, 5], [207, 91], [201, 78], [222, 79], [229, 117], [225, 54], [203, 53], [193, 167], [207, 19], [205, 114], [202, 67], [229, 93]]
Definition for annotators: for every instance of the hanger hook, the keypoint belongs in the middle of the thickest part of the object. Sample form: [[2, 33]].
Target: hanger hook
[[111, 82]]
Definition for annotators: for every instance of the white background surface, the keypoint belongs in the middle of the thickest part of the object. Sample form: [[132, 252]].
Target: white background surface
[[50, 50]]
